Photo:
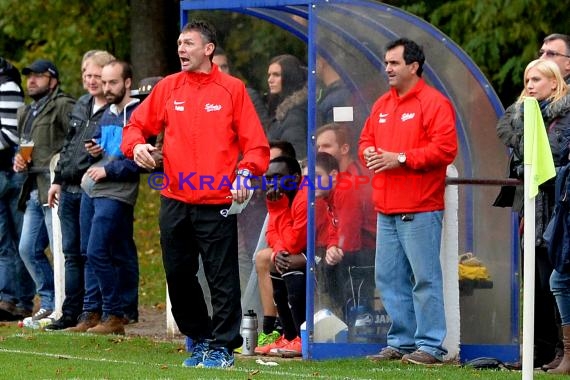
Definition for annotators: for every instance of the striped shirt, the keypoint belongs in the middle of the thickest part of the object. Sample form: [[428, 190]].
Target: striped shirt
[[11, 98]]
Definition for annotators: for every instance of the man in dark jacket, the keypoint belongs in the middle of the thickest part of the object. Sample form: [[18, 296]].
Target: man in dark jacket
[[66, 190], [16, 285], [44, 122]]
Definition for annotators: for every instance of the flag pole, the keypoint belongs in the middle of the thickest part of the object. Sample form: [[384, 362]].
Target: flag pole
[[538, 168], [528, 278]]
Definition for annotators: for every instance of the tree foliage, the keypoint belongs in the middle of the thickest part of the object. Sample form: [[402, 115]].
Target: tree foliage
[[62, 31], [501, 36]]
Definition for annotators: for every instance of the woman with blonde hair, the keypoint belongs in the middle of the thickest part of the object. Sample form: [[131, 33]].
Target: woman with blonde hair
[[542, 81]]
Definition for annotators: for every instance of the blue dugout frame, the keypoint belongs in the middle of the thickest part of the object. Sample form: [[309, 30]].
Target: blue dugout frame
[[278, 12]]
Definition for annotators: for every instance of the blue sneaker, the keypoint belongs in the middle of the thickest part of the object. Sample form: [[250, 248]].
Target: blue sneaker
[[218, 357], [198, 353]]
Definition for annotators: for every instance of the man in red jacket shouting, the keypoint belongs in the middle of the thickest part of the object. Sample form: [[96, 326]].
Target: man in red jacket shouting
[[208, 122], [408, 141]]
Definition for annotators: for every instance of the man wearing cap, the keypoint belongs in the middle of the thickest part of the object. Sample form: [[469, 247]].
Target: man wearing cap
[[16, 286], [45, 122]]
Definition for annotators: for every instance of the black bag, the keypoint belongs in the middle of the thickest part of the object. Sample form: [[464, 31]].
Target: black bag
[[506, 196]]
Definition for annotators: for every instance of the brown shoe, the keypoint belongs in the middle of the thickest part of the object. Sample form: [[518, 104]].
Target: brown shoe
[[421, 358], [87, 320], [387, 353], [111, 325], [7, 310]]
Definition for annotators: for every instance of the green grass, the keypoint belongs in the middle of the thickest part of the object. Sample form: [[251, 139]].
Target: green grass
[[32, 354], [152, 282]]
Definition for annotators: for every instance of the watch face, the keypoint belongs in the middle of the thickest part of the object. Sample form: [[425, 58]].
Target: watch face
[[401, 158]]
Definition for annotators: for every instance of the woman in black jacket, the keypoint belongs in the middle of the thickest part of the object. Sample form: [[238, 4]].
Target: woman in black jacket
[[544, 82], [287, 102]]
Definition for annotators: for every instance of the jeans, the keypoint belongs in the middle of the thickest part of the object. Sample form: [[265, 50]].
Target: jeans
[[188, 232], [92, 301], [560, 286], [36, 235], [409, 277], [68, 211], [16, 285], [111, 224]]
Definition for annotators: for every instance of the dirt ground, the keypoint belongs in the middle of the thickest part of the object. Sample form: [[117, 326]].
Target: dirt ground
[[152, 324]]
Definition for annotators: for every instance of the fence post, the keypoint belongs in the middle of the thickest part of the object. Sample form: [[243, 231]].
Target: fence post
[[449, 264], [57, 254]]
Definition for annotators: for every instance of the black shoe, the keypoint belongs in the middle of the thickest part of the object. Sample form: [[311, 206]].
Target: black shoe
[[62, 323]]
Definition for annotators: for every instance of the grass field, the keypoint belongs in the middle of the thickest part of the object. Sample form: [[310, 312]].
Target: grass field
[[33, 354]]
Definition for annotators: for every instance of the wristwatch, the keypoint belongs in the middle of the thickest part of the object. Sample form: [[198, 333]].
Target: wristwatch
[[244, 173], [402, 158]]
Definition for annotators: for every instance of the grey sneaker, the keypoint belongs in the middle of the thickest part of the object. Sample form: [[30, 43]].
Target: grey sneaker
[[387, 353], [421, 358], [41, 314]]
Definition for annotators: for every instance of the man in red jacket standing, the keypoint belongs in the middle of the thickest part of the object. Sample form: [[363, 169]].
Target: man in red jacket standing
[[208, 122], [408, 141]]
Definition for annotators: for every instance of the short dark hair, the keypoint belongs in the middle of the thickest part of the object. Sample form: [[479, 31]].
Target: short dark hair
[[292, 164], [558, 36], [412, 52], [342, 133], [286, 148], [327, 162], [206, 30], [127, 68]]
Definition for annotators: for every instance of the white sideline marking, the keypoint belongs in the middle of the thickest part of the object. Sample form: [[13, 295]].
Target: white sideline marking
[[240, 369]]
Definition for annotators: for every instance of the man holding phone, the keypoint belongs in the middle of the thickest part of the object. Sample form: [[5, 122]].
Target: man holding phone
[[65, 190]]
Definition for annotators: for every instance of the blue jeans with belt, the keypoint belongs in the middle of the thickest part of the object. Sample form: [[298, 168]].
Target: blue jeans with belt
[[409, 277], [16, 285]]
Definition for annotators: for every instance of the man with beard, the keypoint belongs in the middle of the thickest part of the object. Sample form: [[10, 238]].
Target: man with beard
[[44, 122], [107, 211]]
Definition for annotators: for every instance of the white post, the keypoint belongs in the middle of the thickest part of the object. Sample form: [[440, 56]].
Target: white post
[[58, 259], [449, 264], [171, 327], [528, 276]]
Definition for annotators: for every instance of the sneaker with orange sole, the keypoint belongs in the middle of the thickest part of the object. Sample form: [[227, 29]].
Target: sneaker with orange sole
[[292, 349], [264, 350]]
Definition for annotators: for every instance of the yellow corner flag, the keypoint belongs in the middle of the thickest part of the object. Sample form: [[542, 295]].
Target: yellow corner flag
[[537, 151]]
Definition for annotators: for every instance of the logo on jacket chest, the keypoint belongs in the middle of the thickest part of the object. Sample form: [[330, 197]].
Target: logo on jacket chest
[[382, 117], [212, 107], [408, 116], [179, 105]]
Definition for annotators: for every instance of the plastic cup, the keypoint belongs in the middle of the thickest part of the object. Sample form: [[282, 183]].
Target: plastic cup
[[26, 149]]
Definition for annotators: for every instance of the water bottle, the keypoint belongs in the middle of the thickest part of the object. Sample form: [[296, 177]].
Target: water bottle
[[249, 333]]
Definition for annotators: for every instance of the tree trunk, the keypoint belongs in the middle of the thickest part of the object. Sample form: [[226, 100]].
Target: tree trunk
[[154, 29]]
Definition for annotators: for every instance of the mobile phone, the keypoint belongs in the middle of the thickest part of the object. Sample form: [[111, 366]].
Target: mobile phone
[[89, 141]]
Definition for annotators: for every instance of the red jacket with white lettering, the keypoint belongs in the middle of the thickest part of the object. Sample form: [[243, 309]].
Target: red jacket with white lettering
[[420, 124], [209, 121]]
